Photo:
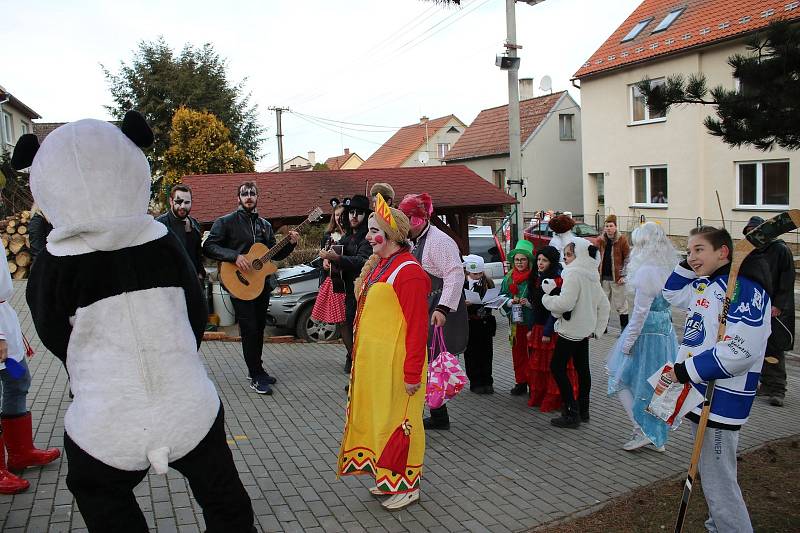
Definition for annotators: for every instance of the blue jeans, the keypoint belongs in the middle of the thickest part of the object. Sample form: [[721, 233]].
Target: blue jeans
[[14, 392]]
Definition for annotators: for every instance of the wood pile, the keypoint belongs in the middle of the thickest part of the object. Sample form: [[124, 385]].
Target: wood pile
[[14, 234]]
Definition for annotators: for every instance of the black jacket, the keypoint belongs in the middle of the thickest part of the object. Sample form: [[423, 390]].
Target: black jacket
[[780, 263], [356, 252], [233, 235], [191, 240]]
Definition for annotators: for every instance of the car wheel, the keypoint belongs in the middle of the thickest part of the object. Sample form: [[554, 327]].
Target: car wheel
[[312, 330]]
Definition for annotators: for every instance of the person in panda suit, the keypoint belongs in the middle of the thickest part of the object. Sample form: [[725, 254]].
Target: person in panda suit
[[115, 297]]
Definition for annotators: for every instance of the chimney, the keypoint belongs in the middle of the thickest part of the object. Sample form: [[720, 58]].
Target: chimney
[[312, 158], [423, 119], [525, 88], [347, 151]]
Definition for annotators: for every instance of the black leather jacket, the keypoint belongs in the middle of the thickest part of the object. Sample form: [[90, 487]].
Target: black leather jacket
[[191, 241], [233, 235]]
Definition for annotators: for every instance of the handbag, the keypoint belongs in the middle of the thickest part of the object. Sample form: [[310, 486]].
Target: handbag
[[446, 378]]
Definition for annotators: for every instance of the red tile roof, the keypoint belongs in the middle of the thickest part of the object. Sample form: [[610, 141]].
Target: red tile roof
[[488, 133], [702, 23], [293, 194], [404, 143], [336, 162]]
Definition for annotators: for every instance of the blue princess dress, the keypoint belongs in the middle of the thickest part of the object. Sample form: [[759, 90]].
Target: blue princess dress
[[650, 340]]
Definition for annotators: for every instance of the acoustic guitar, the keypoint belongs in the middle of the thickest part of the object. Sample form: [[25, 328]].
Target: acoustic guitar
[[249, 285]]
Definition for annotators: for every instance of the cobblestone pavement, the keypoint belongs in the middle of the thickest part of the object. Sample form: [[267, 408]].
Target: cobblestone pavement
[[502, 467]]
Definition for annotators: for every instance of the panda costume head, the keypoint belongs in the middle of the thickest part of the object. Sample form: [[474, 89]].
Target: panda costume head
[[115, 297], [92, 182]]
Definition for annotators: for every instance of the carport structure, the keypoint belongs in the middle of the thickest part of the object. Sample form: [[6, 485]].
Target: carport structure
[[287, 197]]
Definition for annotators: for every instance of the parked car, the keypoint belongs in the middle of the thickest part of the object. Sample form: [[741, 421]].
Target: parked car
[[540, 234], [292, 300], [483, 242]]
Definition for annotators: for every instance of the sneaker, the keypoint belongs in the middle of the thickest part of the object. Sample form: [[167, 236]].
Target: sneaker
[[400, 501], [271, 380], [659, 449], [776, 401], [519, 389], [260, 385], [638, 440]]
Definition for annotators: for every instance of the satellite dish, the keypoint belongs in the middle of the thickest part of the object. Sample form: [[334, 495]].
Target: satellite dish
[[423, 157], [546, 84]]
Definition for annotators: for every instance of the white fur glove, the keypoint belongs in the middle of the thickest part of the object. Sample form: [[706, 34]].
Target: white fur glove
[[548, 285]]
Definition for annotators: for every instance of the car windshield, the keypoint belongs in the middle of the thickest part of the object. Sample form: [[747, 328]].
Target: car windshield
[[584, 230], [486, 247]]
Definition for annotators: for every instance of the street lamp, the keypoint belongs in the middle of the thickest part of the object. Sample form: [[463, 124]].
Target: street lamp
[[510, 63]]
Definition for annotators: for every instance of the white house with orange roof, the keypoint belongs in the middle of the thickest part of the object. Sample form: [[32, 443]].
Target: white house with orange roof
[[668, 167], [422, 144], [550, 131]]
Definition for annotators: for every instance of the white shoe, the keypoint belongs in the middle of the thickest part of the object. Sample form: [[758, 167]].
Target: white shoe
[[400, 501], [659, 449], [638, 439], [375, 491]]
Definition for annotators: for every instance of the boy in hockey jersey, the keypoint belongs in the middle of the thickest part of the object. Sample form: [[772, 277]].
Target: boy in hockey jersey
[[699, 285]]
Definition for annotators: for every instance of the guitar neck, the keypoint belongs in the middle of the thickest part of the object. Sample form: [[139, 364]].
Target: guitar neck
[[280, 244]]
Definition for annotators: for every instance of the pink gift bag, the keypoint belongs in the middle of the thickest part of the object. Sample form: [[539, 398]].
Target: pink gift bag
[[446, 378]]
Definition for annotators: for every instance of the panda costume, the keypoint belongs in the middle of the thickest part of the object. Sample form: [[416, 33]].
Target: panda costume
[[116, 298]]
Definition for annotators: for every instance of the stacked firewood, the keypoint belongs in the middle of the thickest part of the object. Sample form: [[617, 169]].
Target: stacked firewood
[[14, 234]]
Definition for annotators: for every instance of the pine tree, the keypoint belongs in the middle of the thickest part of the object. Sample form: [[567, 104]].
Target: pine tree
[[764, 111]]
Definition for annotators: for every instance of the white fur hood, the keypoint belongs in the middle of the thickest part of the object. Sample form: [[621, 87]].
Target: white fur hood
[[93, 185]]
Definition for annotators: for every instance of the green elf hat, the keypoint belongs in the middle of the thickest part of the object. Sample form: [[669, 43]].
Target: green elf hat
[[525, 248]]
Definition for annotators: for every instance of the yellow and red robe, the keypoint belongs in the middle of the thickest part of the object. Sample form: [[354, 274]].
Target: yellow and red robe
[[391, 332]]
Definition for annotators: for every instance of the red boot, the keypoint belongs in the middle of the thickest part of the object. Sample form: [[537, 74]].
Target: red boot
[[19, 443], [9, 483]]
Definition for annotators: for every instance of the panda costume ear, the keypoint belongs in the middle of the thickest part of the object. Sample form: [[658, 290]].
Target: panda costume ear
[[25, 151], [593, 251], [335, 202], [136, 129]]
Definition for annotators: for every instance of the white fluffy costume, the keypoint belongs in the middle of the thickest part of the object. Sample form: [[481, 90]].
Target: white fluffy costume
[[115, 297]]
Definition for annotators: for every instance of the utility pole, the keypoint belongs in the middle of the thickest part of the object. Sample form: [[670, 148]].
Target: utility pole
[[279, 135], [514, 180]]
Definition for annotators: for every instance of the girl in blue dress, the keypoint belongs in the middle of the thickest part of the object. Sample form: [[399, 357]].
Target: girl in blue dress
[[648, 342]]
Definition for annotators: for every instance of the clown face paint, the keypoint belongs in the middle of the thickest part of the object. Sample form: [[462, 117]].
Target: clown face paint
[[248, 198], [376, 237], [181, 204]]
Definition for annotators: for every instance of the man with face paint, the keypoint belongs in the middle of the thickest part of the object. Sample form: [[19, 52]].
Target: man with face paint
[[230, 238], [184, 227], [439, 255]]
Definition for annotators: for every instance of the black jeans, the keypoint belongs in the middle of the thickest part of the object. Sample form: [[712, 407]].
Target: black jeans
[[252, 318], [773, 375], [105, 494], [479, 353], [579, 352]]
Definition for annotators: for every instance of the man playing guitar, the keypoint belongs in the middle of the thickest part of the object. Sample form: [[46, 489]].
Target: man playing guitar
[[230, 238]]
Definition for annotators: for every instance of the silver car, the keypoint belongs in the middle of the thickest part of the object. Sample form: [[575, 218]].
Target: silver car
[[292, 300]]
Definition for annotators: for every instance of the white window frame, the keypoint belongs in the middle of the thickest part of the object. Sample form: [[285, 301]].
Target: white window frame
[[8, 127], [26, 128], [648, 187], [561, 133], [760, 185], [632, 90], [441, 153]]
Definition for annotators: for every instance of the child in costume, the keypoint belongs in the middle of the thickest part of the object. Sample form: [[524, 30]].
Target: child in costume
[[515, 286], [649, 342], [16, 429], [115, 297], [387, 382], [482, 327], [699, 285], [582, 309], [542, 337]]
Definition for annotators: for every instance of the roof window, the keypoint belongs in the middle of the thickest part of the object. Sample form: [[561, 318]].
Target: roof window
[[669, 19], [636, 30]]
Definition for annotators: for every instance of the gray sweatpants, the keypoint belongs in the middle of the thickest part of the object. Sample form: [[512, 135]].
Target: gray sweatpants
[[726, 508]]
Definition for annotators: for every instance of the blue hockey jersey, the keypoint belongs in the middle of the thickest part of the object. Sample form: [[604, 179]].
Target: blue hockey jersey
[[734, 362]]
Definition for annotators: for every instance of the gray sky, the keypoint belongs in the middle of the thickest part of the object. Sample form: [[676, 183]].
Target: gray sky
[[371, 62]]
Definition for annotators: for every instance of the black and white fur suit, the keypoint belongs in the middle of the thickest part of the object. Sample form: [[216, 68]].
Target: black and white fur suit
[[116, 298]]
